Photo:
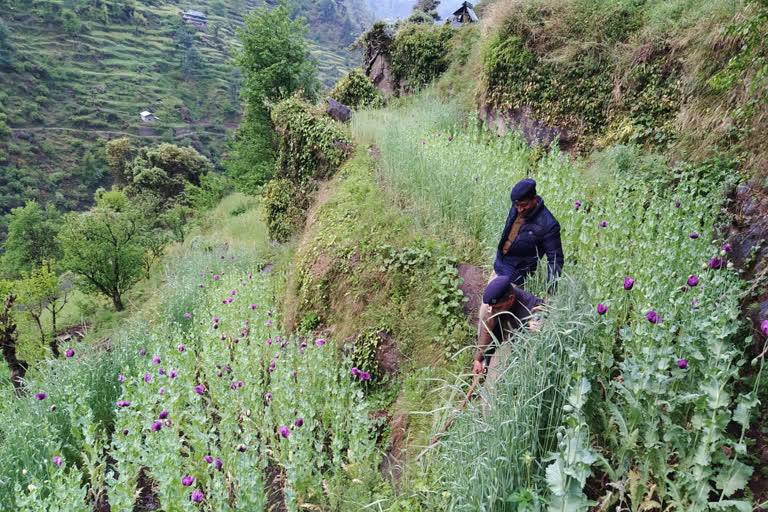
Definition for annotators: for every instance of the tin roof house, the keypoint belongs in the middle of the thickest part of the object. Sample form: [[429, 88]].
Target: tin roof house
[[463, 15]]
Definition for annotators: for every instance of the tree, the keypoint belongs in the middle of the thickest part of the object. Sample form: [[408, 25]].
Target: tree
[[119, 152], [106, 247], [429, 7], [31, 238], [6, 50], [275, 64], [39, 291], [17, 368]]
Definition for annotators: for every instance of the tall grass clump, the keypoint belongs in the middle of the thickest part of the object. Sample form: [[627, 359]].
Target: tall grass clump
[[660, 365]]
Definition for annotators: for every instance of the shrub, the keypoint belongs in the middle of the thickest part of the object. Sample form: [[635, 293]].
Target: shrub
[[419, 54], [356, 90], [284, 215]]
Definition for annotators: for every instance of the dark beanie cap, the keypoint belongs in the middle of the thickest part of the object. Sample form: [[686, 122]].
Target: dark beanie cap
[[522, 189], [497, 290]]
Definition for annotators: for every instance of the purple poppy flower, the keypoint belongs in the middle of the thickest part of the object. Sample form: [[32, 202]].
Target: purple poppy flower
[[693, 281], [603, 224], [219, 374], [272, 366], [682, 364], [57, 460], [41, 396], [156, 360], [726, 247], [764, 327], [201, 285], [299, 422], [229, 300], [196, 496], [121, 378], [188, 315], [187, 480], [172, 374], [601, 308], [199, 389], [269, 341], [268, 397], [653, 317], [269, 313], [69, 352], [156, 426], [715, 263], [450, 139], [254, 306], [215, 326], [365, 376], [241, 448], [250, 276], [233, 258], [208, 459], [147, 377], [233, 292], [53, 408], [160, 371], [217, 463], [168, 423], [223, 337], [284, 431], [239, 383], [694, 304], [125, 432], [628, 283], [123, 403], [216, 277], [577, 205], [320, 342], [161, 391], [693, 236], [269, 323], [677, 204], [228, 368], [354, 371], [232, 386], [143, 351], [683, 288], [162, 415]]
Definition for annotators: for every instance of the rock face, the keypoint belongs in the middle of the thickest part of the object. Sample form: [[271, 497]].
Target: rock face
[[338, 111], [534, 130], [381, 76], [377, 61]]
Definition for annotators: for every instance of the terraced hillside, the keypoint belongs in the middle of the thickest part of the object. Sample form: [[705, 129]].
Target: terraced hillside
[[74, 77]]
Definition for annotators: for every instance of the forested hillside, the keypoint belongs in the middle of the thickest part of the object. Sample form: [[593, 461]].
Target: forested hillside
[[74, 74]]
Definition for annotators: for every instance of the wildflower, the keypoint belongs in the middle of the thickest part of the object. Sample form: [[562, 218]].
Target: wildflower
[[250, 276], [272, 366], [603, 224], [677, 204], [284, 431], [693, 280], [199, 389], [123, 403], [233, 292], [161, 391], [181, 348], [147, 377], [156, 426], [196, 496], [121, 378], [162, 415], [450, 139], [269, 323], [764, 327], [653, 317], [320, 342], [223, 337], [239, 383], [577, 204], [168, 423], [222, 256], [41, 396], [215, 326], [201, 274], [201, 285], [423, 142], [354, 371], [715, 263], [601, 308], [208, 459], [217, 463], [365, 376], [230, 299], [216, 277], [160, 371], [228, 368], [53, 408], [294, 373], [232, 386], [241, 448], [254, 306], [172, 374], [269, 313], [628, 283], [299, 422], [187, 480], [726, 247], [219, 374], [268, 397], [156, 360], [233, 258], [188, 315], [269, 341], [683, 288], [125, 432], [143, 351], [57, 460], [693, 236], [69, 352], [694, 304], [682, 364]]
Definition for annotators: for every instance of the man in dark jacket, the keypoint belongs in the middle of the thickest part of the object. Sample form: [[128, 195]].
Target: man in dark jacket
[[529, 233], [505, 308]]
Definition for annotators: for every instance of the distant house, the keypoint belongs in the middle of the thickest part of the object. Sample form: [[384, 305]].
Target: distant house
[[465, 14], [147, 117], [195, 18]]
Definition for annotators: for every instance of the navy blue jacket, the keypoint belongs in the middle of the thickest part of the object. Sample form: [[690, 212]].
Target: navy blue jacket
[[538, 236]]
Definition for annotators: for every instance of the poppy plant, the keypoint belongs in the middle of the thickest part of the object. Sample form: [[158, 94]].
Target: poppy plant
[[601, 308], [628, 283]]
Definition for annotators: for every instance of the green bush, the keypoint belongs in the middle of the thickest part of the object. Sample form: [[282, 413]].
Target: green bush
[[284, 215], [356, 90], [419, 54]]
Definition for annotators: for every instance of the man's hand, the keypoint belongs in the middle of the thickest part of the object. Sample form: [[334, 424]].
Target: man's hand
[[478, 367], [534, 324]]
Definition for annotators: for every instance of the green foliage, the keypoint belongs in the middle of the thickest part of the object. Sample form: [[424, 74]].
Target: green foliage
[[6, 49], [310, 321], [106, 247], [419, 54], [31, 238], [283, 208], [356, 90], [364, 352], [251, 161], [212, 189]]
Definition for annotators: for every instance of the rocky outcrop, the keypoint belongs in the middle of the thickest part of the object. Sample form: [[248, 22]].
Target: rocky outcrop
[[377, 61], [535, 131], [381, 75], [338, 111]]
